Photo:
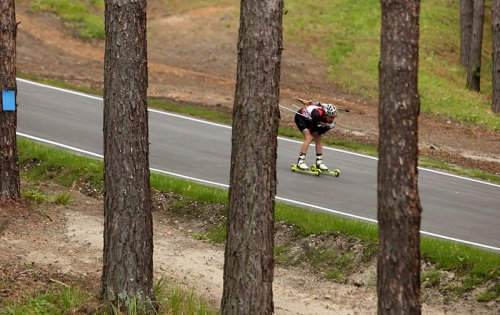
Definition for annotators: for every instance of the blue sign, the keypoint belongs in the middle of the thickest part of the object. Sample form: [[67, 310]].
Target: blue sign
[[9, 100]]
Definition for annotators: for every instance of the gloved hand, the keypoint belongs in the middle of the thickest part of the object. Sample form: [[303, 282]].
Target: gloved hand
[[323, 129], [332, 125]]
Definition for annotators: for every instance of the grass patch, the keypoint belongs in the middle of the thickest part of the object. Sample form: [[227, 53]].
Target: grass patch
[[37, 196], [85, 18], [216, 234], [40, 163], [459, 170], [177, 301], [190, 110], [280, 255], [182, 5], [62, 199], [55, 301], [308, 222], [430, 278], [472, 265], [59, 84], [491, 294]]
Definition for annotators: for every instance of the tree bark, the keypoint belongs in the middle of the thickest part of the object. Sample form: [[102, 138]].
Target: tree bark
[[128, 229], [495, 13], [474, 66], [9, 163], [249, 257], [398, 273], [466, 17]]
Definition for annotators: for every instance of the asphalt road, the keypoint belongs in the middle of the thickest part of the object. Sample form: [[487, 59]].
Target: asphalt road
[[454, 208]]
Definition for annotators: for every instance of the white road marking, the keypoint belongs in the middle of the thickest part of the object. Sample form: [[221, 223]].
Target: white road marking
[[229, 127]]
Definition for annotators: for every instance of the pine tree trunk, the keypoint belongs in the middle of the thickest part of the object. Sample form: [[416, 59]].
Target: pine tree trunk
[[249, 257], [9, 164], [466, 17], [398, 274], [495, 9], [474, 66], [128, 231]]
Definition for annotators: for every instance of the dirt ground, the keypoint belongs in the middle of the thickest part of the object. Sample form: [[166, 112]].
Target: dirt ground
[[47, 244], [192, 59]]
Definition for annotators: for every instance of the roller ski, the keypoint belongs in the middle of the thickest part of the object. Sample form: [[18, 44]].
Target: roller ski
[[335, 172], [323, 169], [302, 167], [295, 168]]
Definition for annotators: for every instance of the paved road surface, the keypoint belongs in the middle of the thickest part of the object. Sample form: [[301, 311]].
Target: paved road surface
[[453, 207]]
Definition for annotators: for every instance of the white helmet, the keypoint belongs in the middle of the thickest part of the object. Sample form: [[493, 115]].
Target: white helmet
[[330, 110]]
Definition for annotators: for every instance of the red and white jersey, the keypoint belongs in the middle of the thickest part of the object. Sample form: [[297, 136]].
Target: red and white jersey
[[307, 111]]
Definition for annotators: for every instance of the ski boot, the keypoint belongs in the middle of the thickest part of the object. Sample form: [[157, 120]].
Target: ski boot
[[321, 167], [302, 167], [301, 164]]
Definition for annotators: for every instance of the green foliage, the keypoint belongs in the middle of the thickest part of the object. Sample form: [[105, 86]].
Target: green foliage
[[86, 18], [431, 278], [310, 222], [280, 255], [173, 300], [474, 266], [40, 163], [190, 110], [132, 305], [335, 274], [64, 85], [56, 301], [454, 169], [37, 196], [461, 258], [188, 189], [493, 293], [216, 235], [182, 5], [62, 199]]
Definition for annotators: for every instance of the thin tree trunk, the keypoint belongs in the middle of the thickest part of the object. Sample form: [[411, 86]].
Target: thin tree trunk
[[466, 17], [495, 10], [249, 257], [398, 273], [474, 66], [128, 230], [9, 164]]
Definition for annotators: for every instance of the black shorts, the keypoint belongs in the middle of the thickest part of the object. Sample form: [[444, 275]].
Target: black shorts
[[302, 122]]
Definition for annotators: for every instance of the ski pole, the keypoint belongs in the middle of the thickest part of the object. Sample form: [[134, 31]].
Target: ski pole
[[346, 110], [305, 102], [295, 112]]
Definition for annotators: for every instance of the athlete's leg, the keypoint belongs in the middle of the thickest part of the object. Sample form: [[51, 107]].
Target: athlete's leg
[[307, 141], [319, 143]]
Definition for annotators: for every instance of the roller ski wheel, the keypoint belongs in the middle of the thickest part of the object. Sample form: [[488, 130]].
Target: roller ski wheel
[[295, 168], [335, 172]]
